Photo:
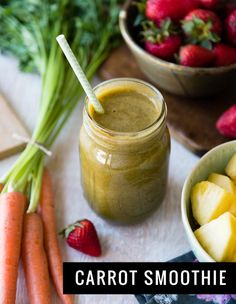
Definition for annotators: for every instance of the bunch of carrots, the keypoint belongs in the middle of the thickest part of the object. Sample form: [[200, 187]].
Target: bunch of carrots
[[33, 237], [28, 30]]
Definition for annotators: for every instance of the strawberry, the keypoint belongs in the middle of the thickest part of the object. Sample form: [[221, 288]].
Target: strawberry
[[195, 56], [224, 54], [158, 10], [226, 124], [202, 27], [162, 41], [230, 25], [205, 16], [210, 4], [82, 236], [166, 49]]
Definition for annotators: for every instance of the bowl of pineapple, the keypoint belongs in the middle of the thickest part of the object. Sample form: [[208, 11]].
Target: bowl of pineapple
[[208, 205]]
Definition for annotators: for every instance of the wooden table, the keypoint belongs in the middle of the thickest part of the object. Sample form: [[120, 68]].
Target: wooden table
[[159, 238]]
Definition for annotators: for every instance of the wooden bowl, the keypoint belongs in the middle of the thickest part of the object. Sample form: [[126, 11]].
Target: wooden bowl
[[174, 78]]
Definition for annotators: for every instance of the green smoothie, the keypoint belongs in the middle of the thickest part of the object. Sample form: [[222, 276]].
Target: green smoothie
[[124, 153], [126, 110]]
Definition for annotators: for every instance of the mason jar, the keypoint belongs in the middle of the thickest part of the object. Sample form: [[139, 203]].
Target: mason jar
[[124, 174]]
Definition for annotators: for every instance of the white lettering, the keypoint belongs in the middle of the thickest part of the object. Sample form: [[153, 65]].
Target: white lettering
[[77, 281], [222, 277], [195, 273], [185, 277], [123, 277], [133, 274], [90, 279], [111, 277], [160, 279], [206, 277], [100, 277], [149, 280], [173, 277]]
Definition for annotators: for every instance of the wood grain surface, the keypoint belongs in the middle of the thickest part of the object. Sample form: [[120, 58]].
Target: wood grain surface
[[191, 121], [10, 124]]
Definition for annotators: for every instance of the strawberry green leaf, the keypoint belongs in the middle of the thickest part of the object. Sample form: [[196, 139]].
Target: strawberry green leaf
[[207, 44], [199, 22], [66, 231], [214, 37], [138, 20], [152, 33], [199, 32]]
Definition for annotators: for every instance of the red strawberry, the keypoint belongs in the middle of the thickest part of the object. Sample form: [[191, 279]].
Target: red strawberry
[[230, 25], [82, 236], [205, 16], [162, 41], [224, 54], [195, 56], [202, 27], [158, 10], [210, 4], [226, 124], [166, 49]]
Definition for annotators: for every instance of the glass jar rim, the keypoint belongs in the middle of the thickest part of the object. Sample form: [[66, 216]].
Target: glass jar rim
[[158, 121]]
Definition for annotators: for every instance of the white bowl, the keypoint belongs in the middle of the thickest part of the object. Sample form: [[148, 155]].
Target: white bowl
[[214, 161]]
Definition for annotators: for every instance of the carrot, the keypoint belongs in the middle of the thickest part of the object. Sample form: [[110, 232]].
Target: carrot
[[35, 261], [1, 187], [51, 242], [12, 208]]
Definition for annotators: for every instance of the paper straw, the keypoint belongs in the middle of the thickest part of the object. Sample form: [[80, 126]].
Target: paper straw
[[79, 73]]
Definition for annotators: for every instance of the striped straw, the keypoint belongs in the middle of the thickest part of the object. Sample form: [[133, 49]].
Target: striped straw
[[79, 73]]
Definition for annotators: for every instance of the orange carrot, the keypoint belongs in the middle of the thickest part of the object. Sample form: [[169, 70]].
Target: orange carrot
[[35, 261], [51, 242], [12, 208], [1, 187]]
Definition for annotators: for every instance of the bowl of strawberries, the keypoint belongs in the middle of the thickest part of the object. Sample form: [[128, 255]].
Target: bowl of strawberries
[[186, 47]]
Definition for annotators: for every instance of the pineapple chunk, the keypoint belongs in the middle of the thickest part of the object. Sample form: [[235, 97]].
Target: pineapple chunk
[[218, 238], [226, 183], [231, 168], [209, 201], [223, 181]]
